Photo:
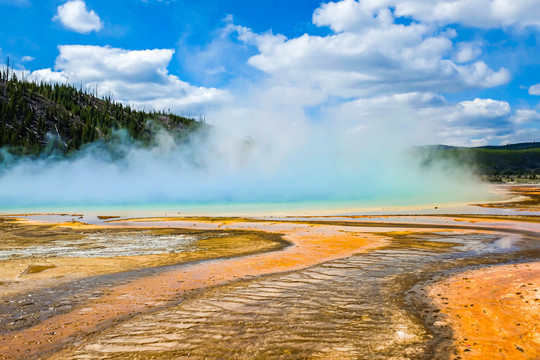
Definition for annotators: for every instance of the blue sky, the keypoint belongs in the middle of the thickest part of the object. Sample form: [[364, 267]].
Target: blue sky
[[467, 70], [28, 28]]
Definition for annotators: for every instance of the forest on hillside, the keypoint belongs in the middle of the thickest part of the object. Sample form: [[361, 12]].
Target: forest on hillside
[[38, 118], [495, 163]]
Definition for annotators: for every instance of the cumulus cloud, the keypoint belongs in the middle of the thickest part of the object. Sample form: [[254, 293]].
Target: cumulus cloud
[[137, 77], [534, 90], [478, 13], [75, 16], [349, 14], [485, 108], [425, 118], [485, 121], [524, 116], [27, 58], [369, 51], [478, 119], [467, 51]]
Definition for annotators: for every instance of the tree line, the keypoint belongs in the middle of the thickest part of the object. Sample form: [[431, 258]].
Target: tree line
[[521, 161], [50, 117]]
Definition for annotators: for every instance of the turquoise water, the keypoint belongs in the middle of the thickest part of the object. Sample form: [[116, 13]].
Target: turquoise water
[[364, 206]]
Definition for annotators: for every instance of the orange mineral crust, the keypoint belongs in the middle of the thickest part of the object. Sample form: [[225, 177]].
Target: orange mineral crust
[[494, 312], [311, 245]]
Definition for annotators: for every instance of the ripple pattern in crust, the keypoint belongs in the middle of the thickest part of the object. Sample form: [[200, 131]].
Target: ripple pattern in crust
[[342, 309]]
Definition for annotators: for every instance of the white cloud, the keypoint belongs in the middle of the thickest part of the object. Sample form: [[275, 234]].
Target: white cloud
[[477, 13], [534, 90], [425, 118], [467, 51], [370, 53], [523, 116], [484, 121], [27, 58], [350, 15], [484, 108], [75, 16], [138, 77], [49, 76]]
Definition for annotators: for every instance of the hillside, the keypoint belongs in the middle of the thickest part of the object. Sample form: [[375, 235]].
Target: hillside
[[37, 118], [497, 162]]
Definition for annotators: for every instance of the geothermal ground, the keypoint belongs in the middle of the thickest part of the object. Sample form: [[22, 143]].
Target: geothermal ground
[[440, 286]]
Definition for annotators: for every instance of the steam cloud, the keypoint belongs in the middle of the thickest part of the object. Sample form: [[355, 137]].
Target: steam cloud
[[262, 153]]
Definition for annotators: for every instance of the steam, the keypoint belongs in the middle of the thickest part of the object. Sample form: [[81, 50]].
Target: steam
[[256, 151]]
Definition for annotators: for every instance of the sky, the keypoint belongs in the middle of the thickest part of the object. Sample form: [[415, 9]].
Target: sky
[[455, 72]]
